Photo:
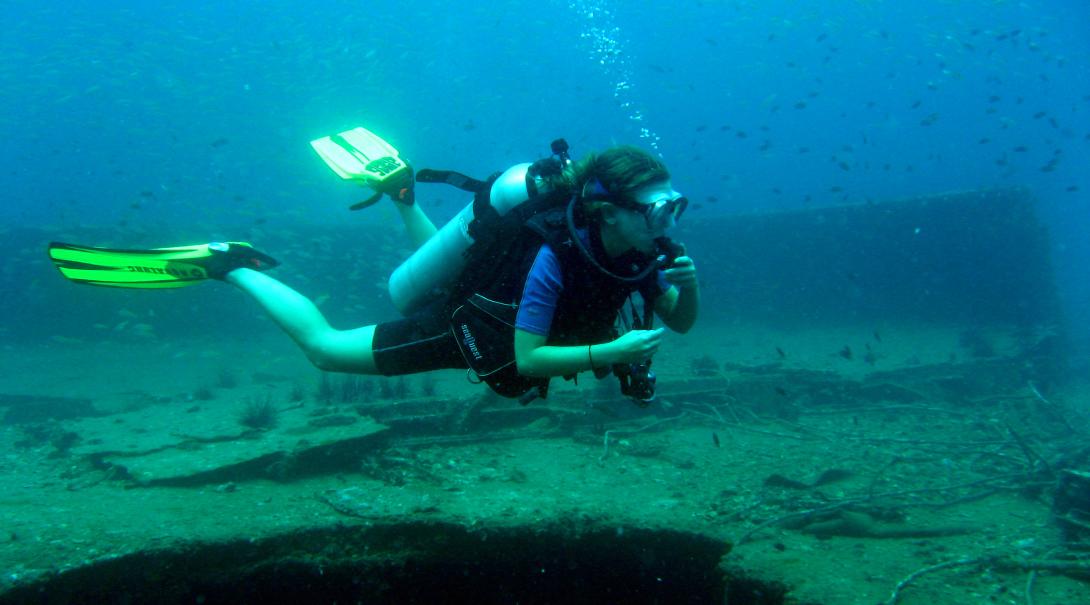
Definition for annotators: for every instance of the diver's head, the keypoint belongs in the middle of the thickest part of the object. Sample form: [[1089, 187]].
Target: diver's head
[[627, 192]]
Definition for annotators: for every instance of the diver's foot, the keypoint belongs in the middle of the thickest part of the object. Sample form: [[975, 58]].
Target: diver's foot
[[227, 256]]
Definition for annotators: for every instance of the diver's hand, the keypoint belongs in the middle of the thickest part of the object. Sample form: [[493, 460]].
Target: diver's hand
[[633, 346], [682, 273]]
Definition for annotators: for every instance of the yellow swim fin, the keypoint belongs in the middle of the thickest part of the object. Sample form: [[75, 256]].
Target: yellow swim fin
[[361, 155]]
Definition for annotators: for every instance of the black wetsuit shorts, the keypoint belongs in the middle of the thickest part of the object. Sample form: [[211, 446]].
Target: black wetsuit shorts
[[421, 342]]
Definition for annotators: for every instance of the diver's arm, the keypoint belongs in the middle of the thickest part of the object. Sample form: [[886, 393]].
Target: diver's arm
[[679, 306], [535, 358]]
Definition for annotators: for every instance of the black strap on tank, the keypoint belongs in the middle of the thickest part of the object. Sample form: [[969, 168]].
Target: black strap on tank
[[450, 177]]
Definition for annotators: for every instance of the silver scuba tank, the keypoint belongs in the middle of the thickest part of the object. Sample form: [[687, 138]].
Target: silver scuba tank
[[425, 274]]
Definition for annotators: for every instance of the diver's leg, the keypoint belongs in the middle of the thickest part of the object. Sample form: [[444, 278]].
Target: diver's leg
[[417, 223], [327, 348]]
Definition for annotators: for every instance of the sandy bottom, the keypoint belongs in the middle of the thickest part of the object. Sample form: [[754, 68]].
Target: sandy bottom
[[700, 473]]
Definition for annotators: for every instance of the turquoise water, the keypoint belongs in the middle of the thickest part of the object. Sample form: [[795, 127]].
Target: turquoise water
[[815, 141]]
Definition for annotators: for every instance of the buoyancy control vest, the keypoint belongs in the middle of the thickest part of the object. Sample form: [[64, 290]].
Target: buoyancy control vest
[[486, 298], [480, 259]]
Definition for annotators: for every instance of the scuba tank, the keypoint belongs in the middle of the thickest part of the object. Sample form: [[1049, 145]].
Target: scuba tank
[[361, 155], [425, 275]]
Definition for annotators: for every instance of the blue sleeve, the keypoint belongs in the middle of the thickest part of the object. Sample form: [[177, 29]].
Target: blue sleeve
[[543, 286]]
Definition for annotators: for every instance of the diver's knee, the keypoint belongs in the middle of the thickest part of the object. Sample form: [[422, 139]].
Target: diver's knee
[[333, 353], [320, 354], [321, 361]]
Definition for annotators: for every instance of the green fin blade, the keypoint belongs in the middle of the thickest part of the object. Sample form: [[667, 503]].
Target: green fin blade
[[155, 268]]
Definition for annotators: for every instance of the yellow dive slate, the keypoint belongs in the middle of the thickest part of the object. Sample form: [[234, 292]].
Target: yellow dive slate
[[157, 267], [361, 155]]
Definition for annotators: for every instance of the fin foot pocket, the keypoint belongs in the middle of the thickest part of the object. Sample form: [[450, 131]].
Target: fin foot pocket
[[225, 257]]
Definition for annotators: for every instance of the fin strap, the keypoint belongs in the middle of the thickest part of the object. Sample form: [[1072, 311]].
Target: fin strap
[[371, 201]]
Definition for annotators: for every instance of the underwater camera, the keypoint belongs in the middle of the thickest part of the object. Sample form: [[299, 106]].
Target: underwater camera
[[637, 381]]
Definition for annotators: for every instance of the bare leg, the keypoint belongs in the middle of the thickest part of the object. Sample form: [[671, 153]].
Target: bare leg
[[417, 223], [327, 348]]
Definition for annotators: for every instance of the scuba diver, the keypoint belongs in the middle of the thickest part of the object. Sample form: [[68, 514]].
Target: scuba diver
[[526, 283]]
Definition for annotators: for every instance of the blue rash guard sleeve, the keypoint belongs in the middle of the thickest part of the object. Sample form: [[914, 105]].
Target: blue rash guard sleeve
[[543, 286], [545, 282]]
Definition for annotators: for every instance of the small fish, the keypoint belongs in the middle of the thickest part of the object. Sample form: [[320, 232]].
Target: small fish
[[1072, 189], [1021, 149], [778, 480], [780, 352], [846, 352], [844, 166], [1039, 115], [877, 336], [984, 141], [800, 105], [781, 392], [741, 134], [220, 142], [831, 476], [715, 439]]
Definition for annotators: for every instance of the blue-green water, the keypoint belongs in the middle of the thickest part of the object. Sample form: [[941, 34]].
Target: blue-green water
[[152, 124], [180, 122]]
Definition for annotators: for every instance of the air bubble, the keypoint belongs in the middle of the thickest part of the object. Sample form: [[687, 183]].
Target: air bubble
[[608, 50]]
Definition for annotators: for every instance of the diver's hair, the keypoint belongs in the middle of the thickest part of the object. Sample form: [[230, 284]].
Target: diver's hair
[[621, 170]]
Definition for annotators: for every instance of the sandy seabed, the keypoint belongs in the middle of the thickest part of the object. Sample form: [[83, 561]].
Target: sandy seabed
[[882, 477]]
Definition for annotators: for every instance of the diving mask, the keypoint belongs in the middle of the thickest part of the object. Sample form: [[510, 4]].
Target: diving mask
[[659, 204]]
